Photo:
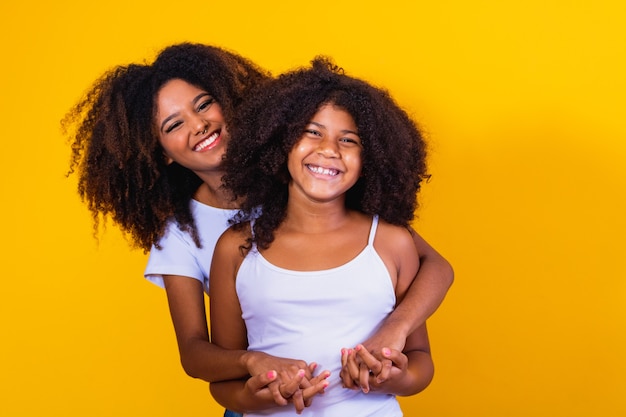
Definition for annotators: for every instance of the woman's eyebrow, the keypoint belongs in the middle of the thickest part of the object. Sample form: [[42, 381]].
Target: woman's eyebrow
[[200, 96], [167, 119], [194, 101]]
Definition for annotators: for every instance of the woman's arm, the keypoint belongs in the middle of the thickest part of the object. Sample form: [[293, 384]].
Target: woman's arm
[[199, 357], [429, 287]]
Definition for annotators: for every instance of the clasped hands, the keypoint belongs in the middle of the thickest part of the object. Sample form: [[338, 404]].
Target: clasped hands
[[293, 381]]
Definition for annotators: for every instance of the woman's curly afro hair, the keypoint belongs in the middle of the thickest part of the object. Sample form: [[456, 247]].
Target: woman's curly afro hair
[[273, 119], [122, 171]]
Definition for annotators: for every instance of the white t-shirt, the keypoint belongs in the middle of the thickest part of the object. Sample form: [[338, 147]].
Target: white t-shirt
[[179, 255]]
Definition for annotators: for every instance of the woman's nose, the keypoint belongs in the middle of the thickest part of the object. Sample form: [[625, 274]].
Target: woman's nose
[[199, 125]]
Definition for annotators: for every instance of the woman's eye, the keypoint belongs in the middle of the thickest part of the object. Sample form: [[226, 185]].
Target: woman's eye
[[206, 104], [173, 126], [312, 132]]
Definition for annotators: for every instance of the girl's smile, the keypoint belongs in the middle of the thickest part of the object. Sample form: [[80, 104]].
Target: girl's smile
[[322, 171], [326, 161]]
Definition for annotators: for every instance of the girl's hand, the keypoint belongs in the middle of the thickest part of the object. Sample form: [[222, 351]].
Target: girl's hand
[[259, 363], [299, 390], [292, 380], [362, 370]]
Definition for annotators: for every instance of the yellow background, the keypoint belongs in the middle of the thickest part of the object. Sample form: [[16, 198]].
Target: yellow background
[[524, 105]]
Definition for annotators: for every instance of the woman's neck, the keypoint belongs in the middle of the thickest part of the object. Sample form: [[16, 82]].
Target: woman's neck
[[213, 194]]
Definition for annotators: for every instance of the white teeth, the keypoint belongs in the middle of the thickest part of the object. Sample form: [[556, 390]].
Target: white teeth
[[207, 142], [323, 171]]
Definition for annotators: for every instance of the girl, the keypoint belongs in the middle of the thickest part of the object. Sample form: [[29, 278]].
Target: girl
[[336, 167], [147, 142]]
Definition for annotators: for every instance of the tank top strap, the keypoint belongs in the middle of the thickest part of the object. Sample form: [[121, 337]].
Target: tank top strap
[[370, 240], [253, 247]]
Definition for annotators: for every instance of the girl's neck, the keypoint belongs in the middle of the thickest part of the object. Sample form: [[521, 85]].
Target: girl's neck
[[313, 218]]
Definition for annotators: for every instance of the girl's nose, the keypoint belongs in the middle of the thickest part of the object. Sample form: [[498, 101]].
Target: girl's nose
[[328, 148]]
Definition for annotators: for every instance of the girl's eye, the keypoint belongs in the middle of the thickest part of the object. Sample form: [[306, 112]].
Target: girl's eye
[[350, 141], [312, 132]]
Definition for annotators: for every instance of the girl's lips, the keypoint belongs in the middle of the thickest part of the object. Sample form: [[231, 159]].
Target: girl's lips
[[209, 142]]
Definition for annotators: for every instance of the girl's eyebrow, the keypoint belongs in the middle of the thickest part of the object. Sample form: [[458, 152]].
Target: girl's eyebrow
[[324, 127], [194, 102]]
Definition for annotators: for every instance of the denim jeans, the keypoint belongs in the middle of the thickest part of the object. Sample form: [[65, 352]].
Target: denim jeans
[[229, 413]]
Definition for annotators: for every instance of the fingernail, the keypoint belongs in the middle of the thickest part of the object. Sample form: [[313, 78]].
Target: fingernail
[[386, 351], [358, 347], [301, 372], [271, 374]]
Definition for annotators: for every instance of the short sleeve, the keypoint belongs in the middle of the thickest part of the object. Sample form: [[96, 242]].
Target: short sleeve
[[178, 256]]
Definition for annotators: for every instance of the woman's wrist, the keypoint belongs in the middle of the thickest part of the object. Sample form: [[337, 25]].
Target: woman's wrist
[[250, 360]]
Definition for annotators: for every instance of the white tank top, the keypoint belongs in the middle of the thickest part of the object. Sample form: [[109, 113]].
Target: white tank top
[[312, 315]]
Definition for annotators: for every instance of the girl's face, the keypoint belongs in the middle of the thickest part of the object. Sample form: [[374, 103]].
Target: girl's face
[[326, 161], [191, 126]]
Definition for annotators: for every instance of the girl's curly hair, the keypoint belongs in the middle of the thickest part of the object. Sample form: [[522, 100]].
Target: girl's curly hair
[[122, 170], [274, 118]]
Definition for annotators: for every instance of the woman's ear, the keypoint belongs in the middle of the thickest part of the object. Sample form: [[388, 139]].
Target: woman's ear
[[168, 160]]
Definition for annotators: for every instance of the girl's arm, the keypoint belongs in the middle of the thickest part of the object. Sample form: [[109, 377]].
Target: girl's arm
[[413, 371], [229, 332], [253, 395], [429, 287]]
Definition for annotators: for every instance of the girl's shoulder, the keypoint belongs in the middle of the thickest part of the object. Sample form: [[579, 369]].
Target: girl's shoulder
[[399, 234], [234, 241], [231, 248], [394, 244], [233, 234]]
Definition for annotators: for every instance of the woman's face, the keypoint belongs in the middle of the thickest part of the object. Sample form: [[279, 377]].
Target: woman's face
[[326, 161], [191, 126]]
